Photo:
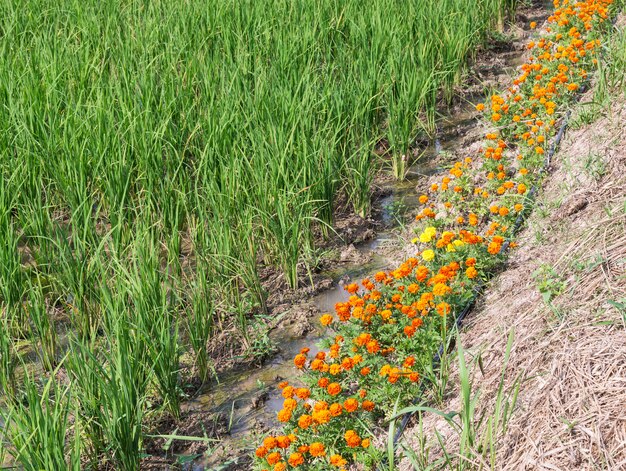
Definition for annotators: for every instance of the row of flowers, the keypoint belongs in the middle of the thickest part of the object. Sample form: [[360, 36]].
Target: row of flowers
[[385, 334]]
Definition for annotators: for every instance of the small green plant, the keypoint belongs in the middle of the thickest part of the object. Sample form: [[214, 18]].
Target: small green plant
[[550, 285], [478, 435], [620, 305]]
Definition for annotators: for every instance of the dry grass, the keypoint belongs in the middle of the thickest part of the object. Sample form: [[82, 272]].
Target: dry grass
[[571, 412]]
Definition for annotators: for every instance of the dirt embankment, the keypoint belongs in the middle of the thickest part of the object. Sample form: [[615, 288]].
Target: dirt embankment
[[564, 297]]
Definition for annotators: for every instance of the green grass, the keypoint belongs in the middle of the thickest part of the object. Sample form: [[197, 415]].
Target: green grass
[[155, 156], [478, 434]]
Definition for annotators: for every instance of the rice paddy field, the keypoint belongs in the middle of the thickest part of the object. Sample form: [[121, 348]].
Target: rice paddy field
[[158, 158]]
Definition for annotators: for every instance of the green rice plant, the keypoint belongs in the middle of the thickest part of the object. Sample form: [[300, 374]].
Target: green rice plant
[[152, 308], [199, 324], [37, 428], [43, 326], [11, 273], [76, 278], [8, 360], [84, 367], [111, 386], [109, 128], [360, 177]]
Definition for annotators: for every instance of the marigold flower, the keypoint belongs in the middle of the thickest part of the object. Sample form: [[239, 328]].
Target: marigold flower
[[352, 288], [303, 393], [336, 410], [443, 309], [317, 449], [326, 320], [299, 360], [352, 439], [351, 405], [283, 441], [428, 255], [296, 459], [441, 289], [288, 391], [270, 442], [274, 458], [321, 416], [338, 461], [368, 406], [334, 389], [261, 451], [305, 421], [290, 403]]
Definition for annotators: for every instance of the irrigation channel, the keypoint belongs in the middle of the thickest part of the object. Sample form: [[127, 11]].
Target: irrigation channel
[[248, 398]]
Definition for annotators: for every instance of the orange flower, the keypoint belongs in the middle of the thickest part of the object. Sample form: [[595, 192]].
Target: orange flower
[[303, 393], [338, 461], [352, 288], [283, 441], [299, 360], [274, 458], [261, 451], [317, 449], [334, 389], [270, 442], [296, 459], [321, 416], [305, 421], [326, 320], [352, 439], [351, 405], [368, 406], [336, 410], [290, 404], [443, 309]]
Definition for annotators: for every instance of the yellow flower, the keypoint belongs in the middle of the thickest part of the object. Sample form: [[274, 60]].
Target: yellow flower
[[458, 243], [428, 235], [428, 255], [450, 248], [414, 240]]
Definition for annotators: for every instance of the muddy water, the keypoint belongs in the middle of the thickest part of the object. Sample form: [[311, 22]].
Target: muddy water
[[250, 399]]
